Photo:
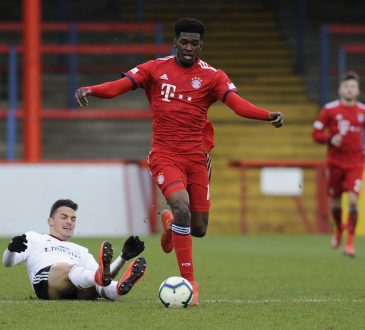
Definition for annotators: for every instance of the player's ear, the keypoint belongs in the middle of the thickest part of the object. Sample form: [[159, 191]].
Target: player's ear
[[175, 42], [50, 222]]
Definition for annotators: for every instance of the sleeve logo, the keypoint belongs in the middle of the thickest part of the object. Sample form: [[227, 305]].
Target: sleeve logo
[[134, 70], [231, 85]]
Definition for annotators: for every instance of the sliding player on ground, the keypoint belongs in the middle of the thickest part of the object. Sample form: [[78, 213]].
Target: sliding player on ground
[[60, 269]]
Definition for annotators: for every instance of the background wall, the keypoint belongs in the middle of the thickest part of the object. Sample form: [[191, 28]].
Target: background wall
[[107, 195]]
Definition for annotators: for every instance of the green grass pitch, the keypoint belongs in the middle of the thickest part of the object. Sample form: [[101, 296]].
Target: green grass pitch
[[246, 282]]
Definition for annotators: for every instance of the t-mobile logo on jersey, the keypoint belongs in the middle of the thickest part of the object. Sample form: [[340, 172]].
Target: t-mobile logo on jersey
[[169, 91]]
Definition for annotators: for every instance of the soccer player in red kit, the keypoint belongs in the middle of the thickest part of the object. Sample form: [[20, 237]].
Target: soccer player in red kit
[[340, 124], [180, 90]]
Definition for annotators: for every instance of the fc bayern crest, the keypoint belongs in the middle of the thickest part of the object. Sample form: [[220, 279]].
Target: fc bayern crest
[[160, 178], [360, 117], [196, 82]]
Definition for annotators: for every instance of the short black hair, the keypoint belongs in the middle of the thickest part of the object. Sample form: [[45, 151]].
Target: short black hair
[[188, 24], [351, 75], [62, 202]]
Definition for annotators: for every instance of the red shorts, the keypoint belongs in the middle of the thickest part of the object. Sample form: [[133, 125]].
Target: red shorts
[[340, 180], [174, 173]]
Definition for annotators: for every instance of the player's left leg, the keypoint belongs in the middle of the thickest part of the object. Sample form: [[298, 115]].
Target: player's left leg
[[351, 224], [336, 211], [335, 188], [199, 220], [134, 273], [353, 183], [199, 194]]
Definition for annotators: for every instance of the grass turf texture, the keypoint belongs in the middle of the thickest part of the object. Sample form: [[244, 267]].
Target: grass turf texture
[[259, 282]]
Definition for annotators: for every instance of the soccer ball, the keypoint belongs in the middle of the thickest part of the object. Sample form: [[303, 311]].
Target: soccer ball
[[175, 292]]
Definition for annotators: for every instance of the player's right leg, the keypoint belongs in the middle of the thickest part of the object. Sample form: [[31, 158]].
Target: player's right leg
[[182, 239], [116, 290], [337, 235], [335, 190], [83, 278]]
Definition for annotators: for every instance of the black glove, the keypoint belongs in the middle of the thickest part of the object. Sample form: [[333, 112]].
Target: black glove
[[17, 244], [133, 246]]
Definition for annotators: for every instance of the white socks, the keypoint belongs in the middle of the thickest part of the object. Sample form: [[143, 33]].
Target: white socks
[[81, 277], [108, 292], [85, 278]]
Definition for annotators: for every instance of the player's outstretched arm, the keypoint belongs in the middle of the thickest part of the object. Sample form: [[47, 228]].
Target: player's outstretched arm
[[132, 247], [107, 90], [16, 246], [246, 109]]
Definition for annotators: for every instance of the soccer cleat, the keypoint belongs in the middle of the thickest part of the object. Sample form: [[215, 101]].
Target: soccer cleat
[[349, 250], [195, 299], [133, 274], [336, 239], [166, 237], [103, 276]]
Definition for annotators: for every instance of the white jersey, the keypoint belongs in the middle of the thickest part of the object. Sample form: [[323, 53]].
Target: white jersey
[[45, 250]]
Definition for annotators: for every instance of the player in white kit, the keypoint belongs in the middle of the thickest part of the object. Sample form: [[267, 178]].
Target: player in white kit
[[59, 269]]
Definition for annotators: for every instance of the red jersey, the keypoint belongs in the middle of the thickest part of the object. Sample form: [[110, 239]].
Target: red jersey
[[180, 98], [336, 118]]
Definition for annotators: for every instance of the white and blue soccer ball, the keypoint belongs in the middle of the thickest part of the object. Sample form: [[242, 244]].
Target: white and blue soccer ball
[[175, 292]]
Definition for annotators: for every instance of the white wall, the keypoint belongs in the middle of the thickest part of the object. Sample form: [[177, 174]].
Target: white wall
[[109, 197]]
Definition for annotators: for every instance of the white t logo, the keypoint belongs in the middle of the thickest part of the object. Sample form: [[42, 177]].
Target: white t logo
[[169, 91]]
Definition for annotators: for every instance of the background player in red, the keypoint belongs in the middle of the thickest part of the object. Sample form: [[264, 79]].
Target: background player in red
[[181, 89], [340, 124]]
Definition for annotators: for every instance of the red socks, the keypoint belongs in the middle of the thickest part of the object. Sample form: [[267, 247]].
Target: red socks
[[183, 247]]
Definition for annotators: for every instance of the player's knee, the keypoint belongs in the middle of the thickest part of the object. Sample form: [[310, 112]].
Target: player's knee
[[353, 200], [61, 269], [180, 210], [199, 223]]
